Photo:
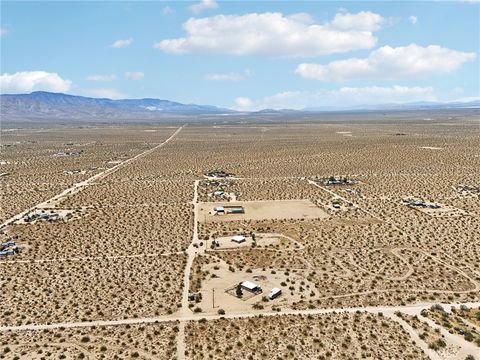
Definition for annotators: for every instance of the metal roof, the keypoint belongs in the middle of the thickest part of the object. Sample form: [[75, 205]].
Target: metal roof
[[249, 285]]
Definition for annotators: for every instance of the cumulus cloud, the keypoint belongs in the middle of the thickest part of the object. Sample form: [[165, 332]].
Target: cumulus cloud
[[389, 63], [122, 43], [342, 97], [28, 81], [275, 35], [106, 77], [102, 93], [134, 75], [233, 76], [203, 5], [362, 21], [413, 19]]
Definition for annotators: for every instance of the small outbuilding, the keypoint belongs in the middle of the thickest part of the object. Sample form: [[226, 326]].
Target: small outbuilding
[[250, 286], [219, 210], [238, 239]]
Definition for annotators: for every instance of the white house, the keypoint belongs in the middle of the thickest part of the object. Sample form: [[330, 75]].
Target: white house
[[238, 239]]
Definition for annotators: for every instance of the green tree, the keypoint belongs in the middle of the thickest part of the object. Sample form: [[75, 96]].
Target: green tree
[[239, 291]]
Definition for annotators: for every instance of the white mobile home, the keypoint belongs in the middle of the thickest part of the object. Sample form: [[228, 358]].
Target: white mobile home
[[274, 293]]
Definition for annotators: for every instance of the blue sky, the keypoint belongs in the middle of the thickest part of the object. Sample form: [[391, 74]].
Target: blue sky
[[245, 55]]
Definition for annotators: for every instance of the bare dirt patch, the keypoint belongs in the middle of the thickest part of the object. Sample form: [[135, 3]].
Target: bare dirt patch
[[264, 210]]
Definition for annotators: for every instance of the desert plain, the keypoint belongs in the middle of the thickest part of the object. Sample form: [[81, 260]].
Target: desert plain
[[369, 228]]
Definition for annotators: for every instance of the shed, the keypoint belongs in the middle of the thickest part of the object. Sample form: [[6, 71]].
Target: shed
[[238, 239], [250, 286], [219, 210]]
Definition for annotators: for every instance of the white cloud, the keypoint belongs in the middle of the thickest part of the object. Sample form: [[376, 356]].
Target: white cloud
[[3, 31], [28, 81], [203, 5], [106, 77], [413, 19], [167, 10], [102, 93], [389, 63], [134, 75], [274, 35], [303, 18], [118, 44], [363, 21], [342, 97], [233, 76]]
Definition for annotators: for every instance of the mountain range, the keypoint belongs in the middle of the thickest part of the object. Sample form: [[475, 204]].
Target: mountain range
[[47, 105], [51, 106]]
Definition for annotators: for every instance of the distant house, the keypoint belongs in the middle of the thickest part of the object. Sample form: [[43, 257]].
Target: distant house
[[238, 239], [424, 204], [229, 209], [250, 286], [235, 209], [219, 210], [274, 293]]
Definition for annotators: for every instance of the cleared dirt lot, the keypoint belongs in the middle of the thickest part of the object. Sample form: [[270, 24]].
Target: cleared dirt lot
[[264, 210]]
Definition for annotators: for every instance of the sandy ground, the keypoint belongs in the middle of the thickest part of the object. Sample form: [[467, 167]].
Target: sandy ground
[[264, 210], [219, 291], [444, 211], [261, 240], [417, 239], [78, 186]]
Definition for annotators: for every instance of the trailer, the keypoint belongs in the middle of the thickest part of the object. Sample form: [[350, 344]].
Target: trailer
[[274, 293]]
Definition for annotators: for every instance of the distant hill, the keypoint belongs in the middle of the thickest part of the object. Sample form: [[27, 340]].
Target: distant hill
[[47, 105], [424, 105], [43, 105]]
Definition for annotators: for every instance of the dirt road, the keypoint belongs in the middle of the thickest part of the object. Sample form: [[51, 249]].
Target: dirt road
[[182, 317], [191, 253]]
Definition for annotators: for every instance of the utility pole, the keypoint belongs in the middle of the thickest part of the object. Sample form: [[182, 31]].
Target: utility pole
[[213, 298]]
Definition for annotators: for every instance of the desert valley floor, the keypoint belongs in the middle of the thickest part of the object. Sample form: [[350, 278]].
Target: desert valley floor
[[165, 242]]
